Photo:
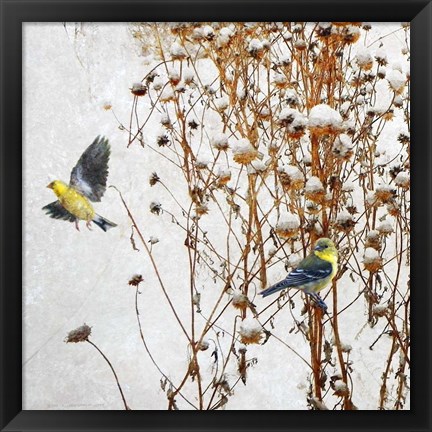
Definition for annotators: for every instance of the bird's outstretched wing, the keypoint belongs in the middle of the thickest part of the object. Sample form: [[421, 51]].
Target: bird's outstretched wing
[[89, 176], [57, 211], [310, 269]]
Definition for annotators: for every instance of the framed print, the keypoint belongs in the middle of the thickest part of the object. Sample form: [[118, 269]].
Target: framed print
[[206, 206]]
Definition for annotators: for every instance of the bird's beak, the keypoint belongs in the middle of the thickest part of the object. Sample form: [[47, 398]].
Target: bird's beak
[[50, 186], [319, 248]]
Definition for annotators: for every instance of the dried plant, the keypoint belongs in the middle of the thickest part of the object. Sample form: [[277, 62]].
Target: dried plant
[[275, 131]]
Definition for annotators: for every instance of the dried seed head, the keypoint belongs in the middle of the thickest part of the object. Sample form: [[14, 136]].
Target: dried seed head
[[294, 121], [201, 163], [256, 49], [264, 113], [312, 208], [344, 222], [372, 260], [196, 299], [193, 124], [224, 176], [324, 120], [240, 301], [388, 115], [300, 44], [381, 57], [220, 142], [343, 147], [280, 81], [290, 177], [167, 95], [364, 59], [154, 178], [203, 345], [384, 193], [287, 226], [404, 138], [393, 208], [156, 207], [242, 349], [244, 152], [165, 121], [396, 80], [135, 280], [373, 240], [177, 52], [403, 180], [162, 140], [221, 103], [379, 310], [250, 332], [139, 89], [385, 228], [350, 34], [80, 334], [314, 190], [201, 209], [340, 389]]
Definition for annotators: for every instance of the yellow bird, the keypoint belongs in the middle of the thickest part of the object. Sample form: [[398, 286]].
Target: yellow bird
[[87, 183], [313, 273]]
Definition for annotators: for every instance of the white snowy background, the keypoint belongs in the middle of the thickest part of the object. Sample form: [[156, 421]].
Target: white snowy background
[[70, 73]]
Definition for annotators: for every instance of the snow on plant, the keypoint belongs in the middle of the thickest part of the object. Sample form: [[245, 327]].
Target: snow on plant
[[277, 134]]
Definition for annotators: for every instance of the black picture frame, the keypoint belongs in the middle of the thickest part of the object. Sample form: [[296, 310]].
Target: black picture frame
[[16, 12]]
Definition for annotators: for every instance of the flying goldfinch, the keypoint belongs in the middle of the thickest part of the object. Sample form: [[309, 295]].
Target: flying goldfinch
[[87, 183], [313, 273]]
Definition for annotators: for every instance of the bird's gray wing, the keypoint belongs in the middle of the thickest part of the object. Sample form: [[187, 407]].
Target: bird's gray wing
[[57, 211], [89, 176], [309, 269]]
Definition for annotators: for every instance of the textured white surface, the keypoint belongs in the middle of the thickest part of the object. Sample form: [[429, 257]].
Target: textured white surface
[[71, 277]]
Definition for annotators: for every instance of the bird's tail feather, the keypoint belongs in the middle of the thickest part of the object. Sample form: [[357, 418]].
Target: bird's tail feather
[[274, 288], [103, 223]]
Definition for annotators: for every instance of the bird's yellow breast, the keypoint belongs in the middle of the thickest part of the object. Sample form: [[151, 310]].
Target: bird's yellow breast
[[330, 255], [74, 202]]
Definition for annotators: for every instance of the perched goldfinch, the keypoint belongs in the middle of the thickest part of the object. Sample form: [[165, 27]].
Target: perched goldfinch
[[313, 273], [87, 183]]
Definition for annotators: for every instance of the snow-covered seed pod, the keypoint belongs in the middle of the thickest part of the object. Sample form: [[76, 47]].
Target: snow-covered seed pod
[[290, 177], [139, 89], [324, 120], [287, 226], [364, 59], [244, 152], [403, 180], [372, 260], [250, 332], [294, 121], [385, 228], [384, 193], [240, 301], [344, 222], [343, 147], [223, 177], [314, 190], [373, 240]]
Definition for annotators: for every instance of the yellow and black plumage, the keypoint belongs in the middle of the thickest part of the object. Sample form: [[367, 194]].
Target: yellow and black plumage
[[87, 183], [313, 273]]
